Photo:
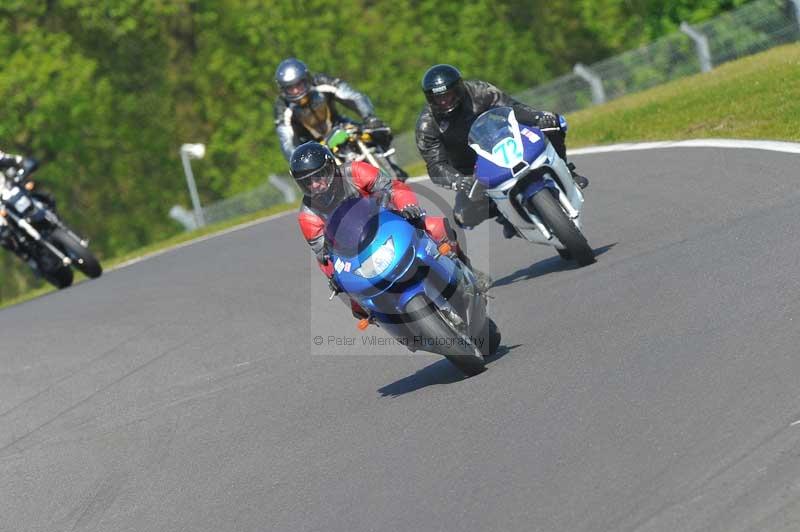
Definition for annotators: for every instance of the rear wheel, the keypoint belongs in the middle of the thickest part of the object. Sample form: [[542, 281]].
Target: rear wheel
[[554, 217], [45, 264], [60, 278], [82, 258], [430, 325]]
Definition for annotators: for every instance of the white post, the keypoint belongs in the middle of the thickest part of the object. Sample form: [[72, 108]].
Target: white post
[[194, 151], [594, 81], [701, 43], [183, 217], [289, 191], [796, 4]]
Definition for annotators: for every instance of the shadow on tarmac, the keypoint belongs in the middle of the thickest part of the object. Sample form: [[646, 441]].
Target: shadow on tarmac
[[543, 267], [440, 372]]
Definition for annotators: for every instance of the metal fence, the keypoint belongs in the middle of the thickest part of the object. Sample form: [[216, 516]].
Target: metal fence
[[275, 191], [253, 200], [754, 27]]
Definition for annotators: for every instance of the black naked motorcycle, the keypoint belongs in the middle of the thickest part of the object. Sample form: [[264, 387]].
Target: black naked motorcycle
[[32, 230]]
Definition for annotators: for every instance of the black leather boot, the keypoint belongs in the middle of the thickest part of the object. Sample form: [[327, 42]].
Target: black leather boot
[[580, 180]]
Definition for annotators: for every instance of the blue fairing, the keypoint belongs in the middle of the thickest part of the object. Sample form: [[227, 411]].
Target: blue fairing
[[402, 235], [491, 175], [360, 232], [533, 148]]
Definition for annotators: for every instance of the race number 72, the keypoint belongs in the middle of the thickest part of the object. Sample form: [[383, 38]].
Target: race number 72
[[507, 150]]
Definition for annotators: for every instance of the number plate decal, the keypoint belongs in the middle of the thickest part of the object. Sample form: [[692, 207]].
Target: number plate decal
[[22, 204]]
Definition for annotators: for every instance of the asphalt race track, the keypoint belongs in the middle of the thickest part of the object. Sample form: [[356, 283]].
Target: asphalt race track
[[656, 390]]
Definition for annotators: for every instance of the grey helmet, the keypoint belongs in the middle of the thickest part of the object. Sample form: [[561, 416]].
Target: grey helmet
[[293, 80]]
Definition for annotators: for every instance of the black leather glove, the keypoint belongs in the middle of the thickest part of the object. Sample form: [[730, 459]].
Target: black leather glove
[[373, 122], [444, 175], [324, 258], [412, 213], [549, 120], [464, 184], [333, 285], [440, 180]]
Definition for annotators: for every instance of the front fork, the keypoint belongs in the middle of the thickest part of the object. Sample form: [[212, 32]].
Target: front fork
[[55, 220], [565, 204], [37, 236], [466, 305], [368, 154]]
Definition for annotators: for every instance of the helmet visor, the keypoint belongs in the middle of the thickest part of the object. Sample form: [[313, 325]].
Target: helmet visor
[[319, 181], [296, 90], [444, 102]]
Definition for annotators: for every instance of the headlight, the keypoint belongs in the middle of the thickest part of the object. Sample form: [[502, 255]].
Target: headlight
[[377, 263], [22, 204]]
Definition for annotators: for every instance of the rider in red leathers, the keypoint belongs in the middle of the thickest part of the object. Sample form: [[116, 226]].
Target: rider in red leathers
[[326, 185]]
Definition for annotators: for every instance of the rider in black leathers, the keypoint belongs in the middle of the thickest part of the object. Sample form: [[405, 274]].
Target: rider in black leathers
[[9, 160], [306, 108], [442, 130], [10, 165]]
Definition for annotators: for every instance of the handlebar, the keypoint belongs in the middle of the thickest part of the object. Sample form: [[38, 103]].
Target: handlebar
[[384, 129], [355, 129], [23, 173]]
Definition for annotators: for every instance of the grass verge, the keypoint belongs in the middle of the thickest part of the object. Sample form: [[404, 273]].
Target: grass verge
[[757, 97], [109, 264]]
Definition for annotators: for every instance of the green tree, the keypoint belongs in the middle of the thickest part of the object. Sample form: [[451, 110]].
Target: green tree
[[106, 92]]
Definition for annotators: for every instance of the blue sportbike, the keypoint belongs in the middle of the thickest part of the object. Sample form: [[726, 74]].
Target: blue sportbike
[[418, 291], [531, 185]]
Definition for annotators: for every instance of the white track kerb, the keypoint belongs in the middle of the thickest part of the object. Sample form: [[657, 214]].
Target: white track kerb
[[766, 145]]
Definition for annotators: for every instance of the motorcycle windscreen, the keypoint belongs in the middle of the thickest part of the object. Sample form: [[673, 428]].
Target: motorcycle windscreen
[[495, 136], [352, 226]]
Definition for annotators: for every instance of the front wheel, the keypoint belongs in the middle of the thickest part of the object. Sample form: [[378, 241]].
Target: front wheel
[[82, 258], [553, 216], [491, 338], [430, 326]]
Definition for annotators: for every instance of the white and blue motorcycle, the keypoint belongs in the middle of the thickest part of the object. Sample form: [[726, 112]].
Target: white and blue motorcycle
[[530, 184]]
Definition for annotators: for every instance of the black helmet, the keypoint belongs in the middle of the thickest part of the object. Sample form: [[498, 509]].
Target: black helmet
[[293, 80], [314, 168], [443, 88]]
